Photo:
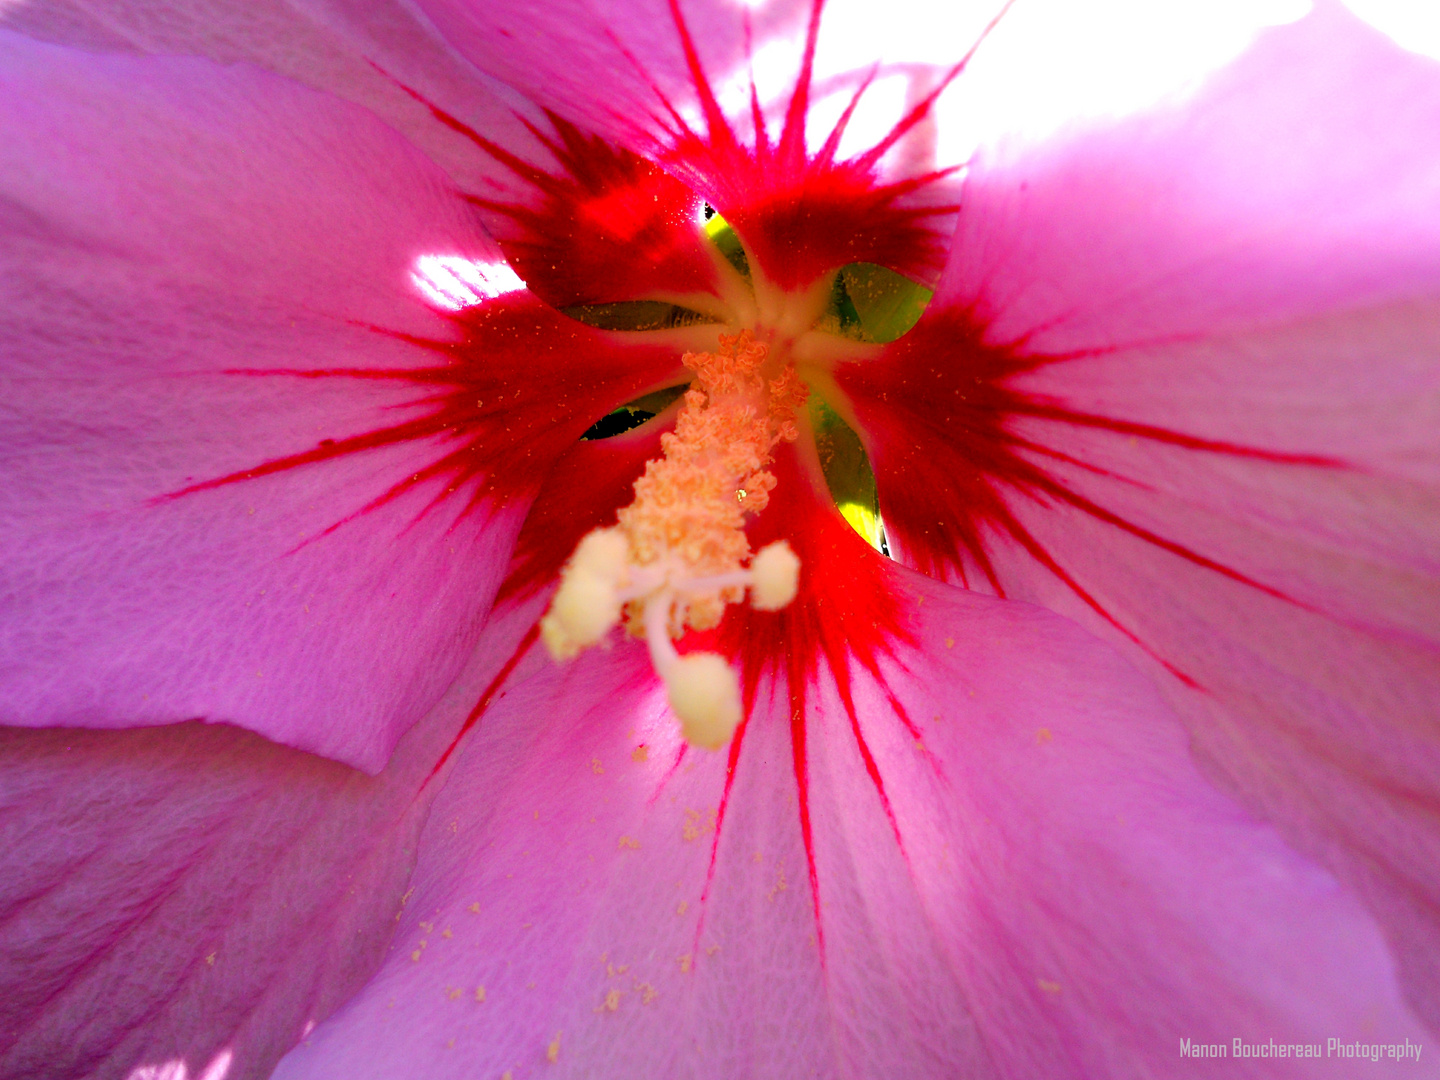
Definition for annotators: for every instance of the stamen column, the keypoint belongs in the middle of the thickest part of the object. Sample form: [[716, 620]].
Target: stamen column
[[677, 556]]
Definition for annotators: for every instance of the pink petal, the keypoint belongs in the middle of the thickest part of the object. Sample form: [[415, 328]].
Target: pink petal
[[355, 49], [1180, 385], [1298, 180], [193, 897], [1072, 898], [169, 222]]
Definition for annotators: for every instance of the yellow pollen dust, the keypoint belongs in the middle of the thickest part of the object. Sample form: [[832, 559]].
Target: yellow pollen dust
[[678, 554]]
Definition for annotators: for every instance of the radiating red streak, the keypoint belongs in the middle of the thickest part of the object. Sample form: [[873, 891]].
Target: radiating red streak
[[1071, 459], [496, 683], [937, 408], [798, 748], [505, 427], [841, 672], [1110, 518], [669, 774], [1044, 558], [731, 761], [902, 714], [1050, 409], [803, 215], [847, 607]]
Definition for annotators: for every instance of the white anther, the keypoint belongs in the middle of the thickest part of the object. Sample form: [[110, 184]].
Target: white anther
[[602, 552], [774, 576], [589, 600], [585, 607], [705, 695]]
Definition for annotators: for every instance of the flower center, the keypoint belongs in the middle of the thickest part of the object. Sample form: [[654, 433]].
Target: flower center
[[679, 553]]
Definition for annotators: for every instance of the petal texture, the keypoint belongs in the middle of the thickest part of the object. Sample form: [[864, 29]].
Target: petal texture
[[1180, 384], [191, 896], [175, 230], [1043, 885], [355, 49]]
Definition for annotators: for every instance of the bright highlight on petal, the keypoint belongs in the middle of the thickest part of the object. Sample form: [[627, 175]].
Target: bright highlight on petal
[[453, 282], [1411, 25], [1052, 64], [177, 1069], [676, 558]]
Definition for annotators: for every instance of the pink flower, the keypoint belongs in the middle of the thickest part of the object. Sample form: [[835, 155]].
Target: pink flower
[[293, 463]]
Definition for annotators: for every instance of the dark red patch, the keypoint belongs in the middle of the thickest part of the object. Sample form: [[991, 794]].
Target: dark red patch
[[802, 215], [937, 409], [505, 398], [847, 606], [607, 226], [612, 226]]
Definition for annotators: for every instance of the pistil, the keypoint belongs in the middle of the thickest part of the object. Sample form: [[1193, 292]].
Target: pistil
[[678, 554]]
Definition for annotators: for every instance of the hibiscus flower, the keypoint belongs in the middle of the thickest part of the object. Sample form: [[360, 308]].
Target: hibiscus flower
[[1099, 733]]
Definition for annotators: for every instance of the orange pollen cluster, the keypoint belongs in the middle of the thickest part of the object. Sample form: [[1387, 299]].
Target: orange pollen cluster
[[677, 556], [691, 504]]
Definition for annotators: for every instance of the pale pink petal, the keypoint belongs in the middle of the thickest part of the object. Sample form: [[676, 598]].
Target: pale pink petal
[[1072, 898], [169, 225], [1299, 179], [1196, 412]]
